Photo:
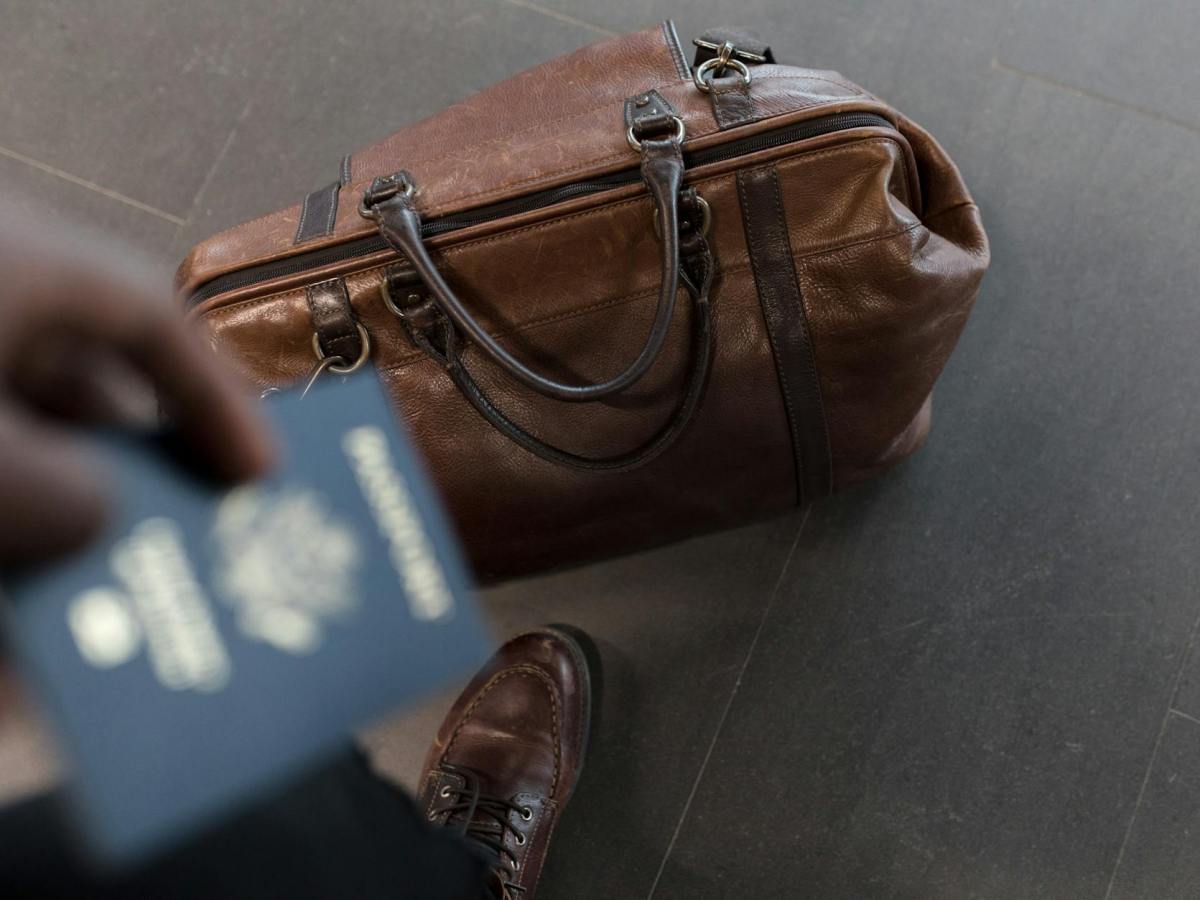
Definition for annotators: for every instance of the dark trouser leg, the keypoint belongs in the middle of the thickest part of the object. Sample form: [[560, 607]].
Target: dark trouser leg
[[342, 832]]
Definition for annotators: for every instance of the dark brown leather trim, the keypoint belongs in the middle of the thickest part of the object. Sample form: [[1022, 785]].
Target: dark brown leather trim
[[732, 103], [318, 213], [333, 319], [787, 326], [671, 36], [646, 104]]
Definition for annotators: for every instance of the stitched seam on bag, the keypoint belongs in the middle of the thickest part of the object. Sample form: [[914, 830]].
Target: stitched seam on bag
[[493, 683], [848, 85], [741, 265], [777, 202], [838, 248], [215, 238], [412, 356], [297, 293], [676, 51], [793, 423], [416, 356], [810, 346], [333, 209], [303, 219], [909, 177]]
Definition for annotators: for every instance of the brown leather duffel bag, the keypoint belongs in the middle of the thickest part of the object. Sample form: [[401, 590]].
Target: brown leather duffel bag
[[618, 299]]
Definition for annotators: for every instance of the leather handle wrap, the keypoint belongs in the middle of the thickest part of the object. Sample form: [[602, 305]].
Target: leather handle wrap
[[662, 172], [333, 319]]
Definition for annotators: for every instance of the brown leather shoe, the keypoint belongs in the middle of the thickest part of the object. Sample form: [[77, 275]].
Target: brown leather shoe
[[508, 754]]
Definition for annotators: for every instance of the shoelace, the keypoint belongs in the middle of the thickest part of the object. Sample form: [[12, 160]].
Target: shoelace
[[484, 819]]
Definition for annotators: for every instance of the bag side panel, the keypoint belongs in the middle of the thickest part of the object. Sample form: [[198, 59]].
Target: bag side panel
[[886, 314]]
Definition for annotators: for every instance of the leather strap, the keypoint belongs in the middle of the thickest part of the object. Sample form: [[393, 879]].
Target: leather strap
[[333, 319], [318, 212], [787, 327], [662, 172], [731, 101]]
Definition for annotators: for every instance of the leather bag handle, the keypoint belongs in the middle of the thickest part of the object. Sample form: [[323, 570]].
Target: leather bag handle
[[437, 336], [389, 201], [434, 322]]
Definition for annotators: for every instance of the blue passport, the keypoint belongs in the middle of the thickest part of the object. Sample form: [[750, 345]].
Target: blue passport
[[212, 643]]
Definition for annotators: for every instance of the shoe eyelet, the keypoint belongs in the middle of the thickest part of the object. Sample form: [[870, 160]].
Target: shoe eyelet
[[526, 813], [445, 792], [520, 840]]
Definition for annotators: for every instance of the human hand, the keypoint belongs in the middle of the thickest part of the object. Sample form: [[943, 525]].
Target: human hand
[[82, 336]]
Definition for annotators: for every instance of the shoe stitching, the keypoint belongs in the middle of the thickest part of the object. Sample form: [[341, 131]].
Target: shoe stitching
[[494, 682]]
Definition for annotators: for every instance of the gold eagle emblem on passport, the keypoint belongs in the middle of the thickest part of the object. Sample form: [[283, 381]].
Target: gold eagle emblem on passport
[[286, 565], [281, 560]]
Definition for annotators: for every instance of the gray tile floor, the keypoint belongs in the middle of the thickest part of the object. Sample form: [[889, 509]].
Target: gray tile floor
[[974, 678]]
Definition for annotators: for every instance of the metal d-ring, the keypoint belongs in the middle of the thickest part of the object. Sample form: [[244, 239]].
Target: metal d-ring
[[710, 65], [385, 292], [680, 133], [705, 218], [341, 368], [324, 365], [335, 363], [381, 189]]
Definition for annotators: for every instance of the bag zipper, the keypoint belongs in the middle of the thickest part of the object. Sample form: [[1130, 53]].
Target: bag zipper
[[374, 243]]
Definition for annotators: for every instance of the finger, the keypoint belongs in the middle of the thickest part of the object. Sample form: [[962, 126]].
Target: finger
[[203, 400], [79, 291], [86, 384], [55, 495]]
